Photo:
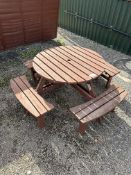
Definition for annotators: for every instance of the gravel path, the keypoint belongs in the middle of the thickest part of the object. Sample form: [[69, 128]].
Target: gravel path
[[58, 149]]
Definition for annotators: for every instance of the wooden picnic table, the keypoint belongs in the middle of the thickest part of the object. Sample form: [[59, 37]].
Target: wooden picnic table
[[72, 65], [69, 65]]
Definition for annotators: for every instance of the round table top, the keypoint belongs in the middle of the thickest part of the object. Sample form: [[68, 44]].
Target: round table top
[[69, 64]]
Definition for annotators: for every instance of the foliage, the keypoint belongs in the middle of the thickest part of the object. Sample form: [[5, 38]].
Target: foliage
[[61, 41], [29, 52]]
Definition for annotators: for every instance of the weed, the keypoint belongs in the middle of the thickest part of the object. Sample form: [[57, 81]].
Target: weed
[[61, 41]]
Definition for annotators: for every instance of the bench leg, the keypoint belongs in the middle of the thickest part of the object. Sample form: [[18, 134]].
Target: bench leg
[[99, 119], [108, 82], [113, 110], [41, 121], [82, 128]]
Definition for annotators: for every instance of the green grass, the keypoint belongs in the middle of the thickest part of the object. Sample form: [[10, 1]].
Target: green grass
[[4, 81], [61, 41], [29, 52]]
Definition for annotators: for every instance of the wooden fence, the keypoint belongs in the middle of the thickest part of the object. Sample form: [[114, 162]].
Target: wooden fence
[[27, 21]]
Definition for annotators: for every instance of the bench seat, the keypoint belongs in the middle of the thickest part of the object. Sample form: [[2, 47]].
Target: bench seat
[[30, 99], [98, 106]]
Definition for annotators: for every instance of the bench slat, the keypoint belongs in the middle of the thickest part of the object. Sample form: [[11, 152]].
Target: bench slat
[[91, 108], [99, 106], [28, 97], [23, 99], [33, 99], [78, 108], [47, 105], [105, 108]]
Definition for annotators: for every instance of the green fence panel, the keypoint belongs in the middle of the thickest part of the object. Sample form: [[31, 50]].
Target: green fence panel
[[105, 21]]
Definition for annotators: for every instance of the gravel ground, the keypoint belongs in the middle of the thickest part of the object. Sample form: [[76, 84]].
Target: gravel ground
[[58, 149]]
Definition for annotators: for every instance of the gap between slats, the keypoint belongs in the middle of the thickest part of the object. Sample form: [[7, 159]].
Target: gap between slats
[[79, 61], [112, 88], [49, 52], [34, 100], [102, 64], [13, 81], [77, 65], [58, 75], [45, 72], [86, 114], [42, 101], [104, 109], [83, 59]]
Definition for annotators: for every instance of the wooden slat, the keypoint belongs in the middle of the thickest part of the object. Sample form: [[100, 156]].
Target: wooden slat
[[59, 68], [46, 105], [105, 108], [93, 52], [68, 63], [33, 99], [91, 108], [41, 71], [108, 66], [71, 64], [78, 108], [94, 61], [111, 70], [90, 63], [88, 53], [23, 99], [78, 63], [111, 67], [47, 69]]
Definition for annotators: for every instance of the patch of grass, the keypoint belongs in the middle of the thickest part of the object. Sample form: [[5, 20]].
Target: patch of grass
[[61, 41], [29, 52], [4, 81]]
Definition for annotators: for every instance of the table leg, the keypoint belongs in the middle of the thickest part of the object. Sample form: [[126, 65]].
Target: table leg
[[40, 85], [45, 86], [108, 78], [90, 88], [108, 82], [86, 92], [82, 91]]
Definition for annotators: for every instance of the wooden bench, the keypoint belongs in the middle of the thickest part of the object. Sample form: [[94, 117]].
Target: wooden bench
[[99, 106], [30, 99]]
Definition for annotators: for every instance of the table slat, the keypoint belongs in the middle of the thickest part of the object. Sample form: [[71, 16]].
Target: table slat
[[78, 63], [85, 60], [67, 64], [59, 69], [47, 69]]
